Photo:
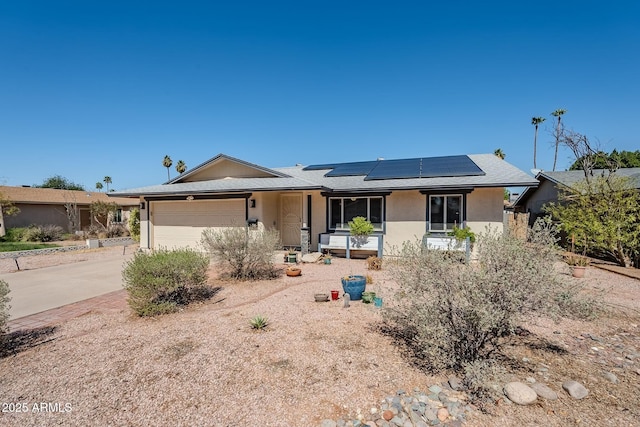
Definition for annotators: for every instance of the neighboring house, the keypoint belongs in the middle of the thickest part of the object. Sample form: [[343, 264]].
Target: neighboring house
[[404, 199], [533, 199], [44, 206]]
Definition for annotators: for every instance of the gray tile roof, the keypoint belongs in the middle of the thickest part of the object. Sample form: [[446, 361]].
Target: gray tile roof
[[498, 173]]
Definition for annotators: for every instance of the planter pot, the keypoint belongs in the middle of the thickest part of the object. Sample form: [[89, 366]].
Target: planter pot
[[293, 271], [327, 260], [367, 297], [335, 295], [321, 297], [292, 258], [354, 286], [578, 271], [377, 301]]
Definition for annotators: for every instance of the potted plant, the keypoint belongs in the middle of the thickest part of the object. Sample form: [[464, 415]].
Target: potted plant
[[360, 228], [327, 258], [292, 256], [354, 286], [578, 263], [461, 235]]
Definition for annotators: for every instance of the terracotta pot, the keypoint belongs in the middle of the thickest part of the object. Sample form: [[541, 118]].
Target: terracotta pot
[[578, 271], [293, 271]]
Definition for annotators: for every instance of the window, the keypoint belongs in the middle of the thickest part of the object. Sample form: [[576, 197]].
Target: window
[[344, 209], [117, 215], [445, 212]]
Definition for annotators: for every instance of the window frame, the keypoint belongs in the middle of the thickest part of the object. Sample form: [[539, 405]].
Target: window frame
[[445, 196], [378, 226]]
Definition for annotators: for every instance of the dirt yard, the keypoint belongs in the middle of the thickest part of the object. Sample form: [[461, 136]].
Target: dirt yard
[[315, 361]]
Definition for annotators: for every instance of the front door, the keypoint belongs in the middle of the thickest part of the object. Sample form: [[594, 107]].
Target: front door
[[290, 219]]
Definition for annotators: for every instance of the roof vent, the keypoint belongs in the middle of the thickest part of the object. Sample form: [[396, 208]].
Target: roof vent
[[380, 158], [298, 164]]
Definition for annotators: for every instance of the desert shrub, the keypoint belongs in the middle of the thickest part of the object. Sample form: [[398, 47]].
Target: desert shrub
[[243, 254], [134, 224], [116, 230], [360, 226], [14, 234], [93, 231], [162, 281], [374, 263], [42, 233], [453, 314], [4, 305]]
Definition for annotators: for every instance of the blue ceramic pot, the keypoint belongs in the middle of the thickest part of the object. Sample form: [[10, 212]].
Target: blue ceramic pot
[[354, 286]]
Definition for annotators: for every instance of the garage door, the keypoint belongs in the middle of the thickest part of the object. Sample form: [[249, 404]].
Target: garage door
[[180, 224]]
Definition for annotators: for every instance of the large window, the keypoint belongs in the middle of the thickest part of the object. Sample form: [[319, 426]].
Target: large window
[[445, 212], [344, 209]]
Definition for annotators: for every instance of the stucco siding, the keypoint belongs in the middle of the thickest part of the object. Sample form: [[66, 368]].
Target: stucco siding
[[406, 218], [485, 207], [38, 214]]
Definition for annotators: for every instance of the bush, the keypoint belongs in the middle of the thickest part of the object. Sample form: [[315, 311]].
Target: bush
[[134, 224], [360, 226], [15, 234], [4, 305], [42, 233], [244, 254], [374, 263], [454, 314], [160, 282], [116, 230]]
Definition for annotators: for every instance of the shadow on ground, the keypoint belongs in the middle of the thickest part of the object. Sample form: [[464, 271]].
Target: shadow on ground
[[19, 341]]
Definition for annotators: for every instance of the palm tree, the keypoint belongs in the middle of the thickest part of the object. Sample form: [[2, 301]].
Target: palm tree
[[181, 167], [558, 113], [99, 186], [536, 121], [167, 162], [107, 180], [500, 153]]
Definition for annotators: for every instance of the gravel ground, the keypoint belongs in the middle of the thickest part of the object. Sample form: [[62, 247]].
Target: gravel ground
[[315, 361]]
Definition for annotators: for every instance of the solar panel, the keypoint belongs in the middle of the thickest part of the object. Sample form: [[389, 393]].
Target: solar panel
[[428, 167], [352, 169]]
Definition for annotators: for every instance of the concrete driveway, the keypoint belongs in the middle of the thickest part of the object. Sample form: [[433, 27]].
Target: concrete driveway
[[33, 291]]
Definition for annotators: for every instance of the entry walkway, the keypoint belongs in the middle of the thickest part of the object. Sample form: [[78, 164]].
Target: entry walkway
[[115, 300]]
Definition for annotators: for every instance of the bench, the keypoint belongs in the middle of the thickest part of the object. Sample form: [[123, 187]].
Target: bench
[[349, 243]]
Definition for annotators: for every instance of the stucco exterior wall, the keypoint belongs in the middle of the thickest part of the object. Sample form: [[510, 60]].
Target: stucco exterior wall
[[406, 218], [485, 207], [226, 169], [546, 192], [41, 214]]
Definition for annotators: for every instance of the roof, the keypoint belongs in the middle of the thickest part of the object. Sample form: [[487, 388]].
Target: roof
[[570, 178], [490, 171], [34, 195]]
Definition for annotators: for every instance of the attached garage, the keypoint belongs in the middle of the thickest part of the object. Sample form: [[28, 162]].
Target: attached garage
[[180, 223]]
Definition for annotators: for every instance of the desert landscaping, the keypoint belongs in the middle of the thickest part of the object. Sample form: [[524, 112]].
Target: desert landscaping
[[314, 364]]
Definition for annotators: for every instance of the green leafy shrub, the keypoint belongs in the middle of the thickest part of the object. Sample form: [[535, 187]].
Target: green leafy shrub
[[15, 234], [42, 233], [134, 224], [453, 314], [463, 233], [360, 226], [4, 305], [162, 281], [243, 254]]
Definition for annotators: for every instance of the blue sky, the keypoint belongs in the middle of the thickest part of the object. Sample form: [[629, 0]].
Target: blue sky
[[95, 88]]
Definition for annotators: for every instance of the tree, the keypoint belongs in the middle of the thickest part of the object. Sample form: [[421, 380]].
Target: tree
[[558, 133], [499, 153], [7, 206], [536, 121], [167, 162], [181, 167], [99, 186], [72, 211], [602, 160], [100, 211], [600, 213], [61, 183], [107, 180]]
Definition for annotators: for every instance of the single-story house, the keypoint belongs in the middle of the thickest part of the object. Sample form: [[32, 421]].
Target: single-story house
[[48, 206], [533, 199], [404, 199]]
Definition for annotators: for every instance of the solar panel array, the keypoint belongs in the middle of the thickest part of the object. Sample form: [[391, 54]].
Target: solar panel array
[[427, 167]]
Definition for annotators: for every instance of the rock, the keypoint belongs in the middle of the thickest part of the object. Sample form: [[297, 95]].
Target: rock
[[443, 414], [544, 391], [610, 376], [531, 380], [387, 415], [328, 423], [520, 393], [575, 389], [435, 389], [455, 383], [311, 258]]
